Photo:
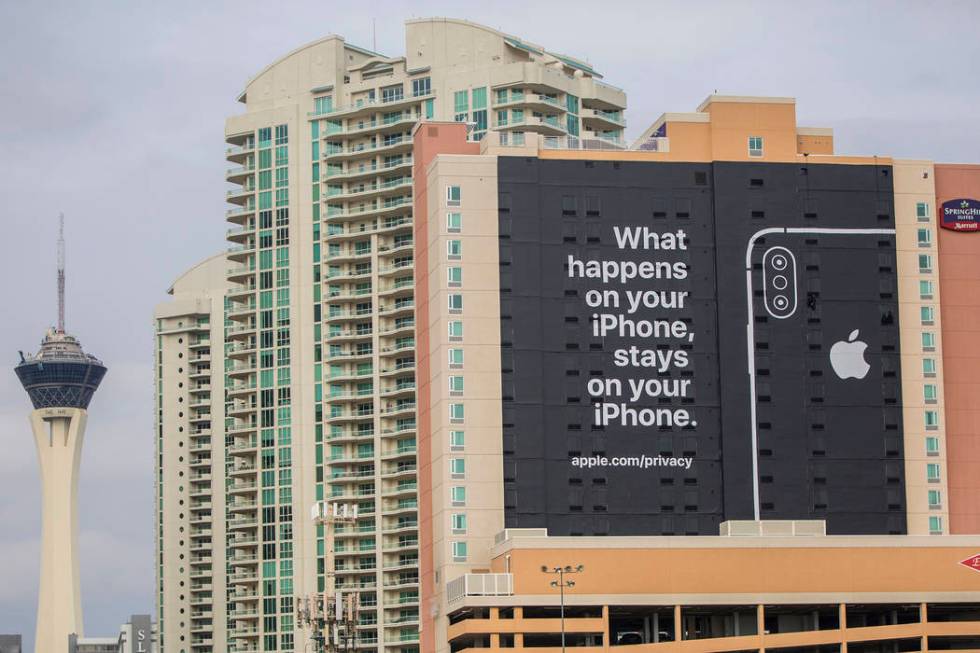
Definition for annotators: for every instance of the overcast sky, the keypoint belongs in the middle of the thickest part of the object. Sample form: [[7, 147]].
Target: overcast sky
[[114, 112]]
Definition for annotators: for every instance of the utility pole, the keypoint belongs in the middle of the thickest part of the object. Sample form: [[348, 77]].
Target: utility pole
[[561, 584], [332, 615]]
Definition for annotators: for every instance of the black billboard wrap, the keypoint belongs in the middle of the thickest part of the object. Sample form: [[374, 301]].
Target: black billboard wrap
[[633, 402]]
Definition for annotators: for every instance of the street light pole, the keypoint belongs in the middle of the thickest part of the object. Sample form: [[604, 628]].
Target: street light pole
[[561, 584]]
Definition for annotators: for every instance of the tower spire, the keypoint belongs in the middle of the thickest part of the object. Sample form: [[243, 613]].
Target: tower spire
[[61, 273]]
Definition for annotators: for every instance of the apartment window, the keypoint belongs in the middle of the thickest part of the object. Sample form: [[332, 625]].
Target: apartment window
[[453, 195], [925, 263], [457, 495], [925, 289], [461, 104], [501, 96], [456, 330], [929, 393], [929, 367], [924, 237], [932, 472], [459, 551], [922, 212], [455, 276], [928, 341], [454, 222], [935, 499], [935, 526], [456, 412], [932, 445], [927, 314], [455, 357], [457, 468], [459, 523], [455, 303], [932, 420], [755, 145], [392, 93], [456, 385], [421, 87], [454, 249], [457, 440]]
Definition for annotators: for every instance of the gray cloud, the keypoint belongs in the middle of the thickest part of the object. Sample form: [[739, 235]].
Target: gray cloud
[[113, 112]]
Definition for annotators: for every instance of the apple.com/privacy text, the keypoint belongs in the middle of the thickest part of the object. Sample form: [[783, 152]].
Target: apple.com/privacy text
[[641, 462]]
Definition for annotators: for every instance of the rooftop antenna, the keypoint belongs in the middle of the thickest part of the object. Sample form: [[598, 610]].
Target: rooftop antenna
[[374, 34], [61, 273]]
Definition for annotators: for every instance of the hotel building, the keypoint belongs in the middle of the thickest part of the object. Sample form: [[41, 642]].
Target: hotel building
[[518, 471]]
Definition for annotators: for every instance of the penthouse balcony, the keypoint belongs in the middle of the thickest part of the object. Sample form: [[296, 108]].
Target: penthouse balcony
[[368, 106]]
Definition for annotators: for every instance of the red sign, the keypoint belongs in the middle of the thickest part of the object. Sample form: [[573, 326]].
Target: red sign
[[972, 562]]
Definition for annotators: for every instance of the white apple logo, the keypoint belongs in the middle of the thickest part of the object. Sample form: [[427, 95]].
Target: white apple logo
[[847, 358]]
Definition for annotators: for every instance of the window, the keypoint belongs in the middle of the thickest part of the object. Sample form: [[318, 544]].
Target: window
[[457, 440], [928, 341], [925, 263], [932, 445], [455, 303], [459, 523], [453, 195], [927, 314], [480, 98], [455, 357], [392, 93], [931, 419], [454, 249], [457, 468], [932, 472], [922, 212], [929, 366], [455, 276], [421, 87], [935, 528], [454, 222], [929, 393], [455, 385], [935, 499], [456, 330], [755, 145], [924, 237], [323, 104], [458, 495], [925, 289], [459, 551], [456, 412]]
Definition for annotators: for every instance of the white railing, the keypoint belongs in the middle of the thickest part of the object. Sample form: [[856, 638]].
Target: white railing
[[479, 585]]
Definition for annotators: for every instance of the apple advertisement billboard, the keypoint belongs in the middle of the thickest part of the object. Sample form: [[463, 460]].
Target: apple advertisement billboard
[[684, 344]]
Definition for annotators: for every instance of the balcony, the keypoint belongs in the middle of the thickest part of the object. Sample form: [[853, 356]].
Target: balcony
[[368, 106], [388, 146], [605, 119], [365, 169], [479, 585]]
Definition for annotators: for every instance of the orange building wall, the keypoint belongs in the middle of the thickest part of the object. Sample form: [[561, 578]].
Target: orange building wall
[[429, 139], [697, 572], [959, 284]]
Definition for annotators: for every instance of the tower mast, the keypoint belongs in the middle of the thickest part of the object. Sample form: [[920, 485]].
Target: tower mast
[[61, 273]]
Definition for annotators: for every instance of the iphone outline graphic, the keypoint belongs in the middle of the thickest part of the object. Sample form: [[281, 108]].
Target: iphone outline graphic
[[750, 323]]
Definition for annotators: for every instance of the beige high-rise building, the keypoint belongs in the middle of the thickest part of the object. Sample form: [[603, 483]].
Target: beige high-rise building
[[307, 325]]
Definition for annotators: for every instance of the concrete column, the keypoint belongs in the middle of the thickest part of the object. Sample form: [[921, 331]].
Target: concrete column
[[760, 626], [58, 434], [678, 633], [842, 617]]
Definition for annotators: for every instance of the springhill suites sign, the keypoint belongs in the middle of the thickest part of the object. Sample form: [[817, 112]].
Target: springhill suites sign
[[960, 215]]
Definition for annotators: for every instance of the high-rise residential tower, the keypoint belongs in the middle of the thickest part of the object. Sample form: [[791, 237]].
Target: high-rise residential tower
[[60, 380], [316, 367]]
